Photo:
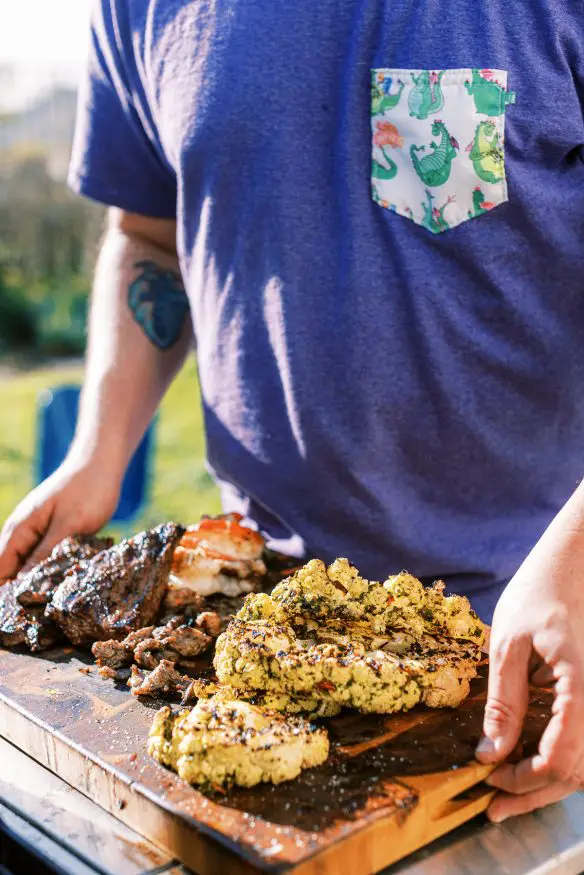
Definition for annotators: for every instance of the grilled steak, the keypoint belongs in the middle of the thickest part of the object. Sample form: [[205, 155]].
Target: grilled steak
[[19, 625], [119, 590], [36, 586]]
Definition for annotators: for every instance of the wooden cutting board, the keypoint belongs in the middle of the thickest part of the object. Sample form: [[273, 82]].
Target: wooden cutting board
[[390, 786]]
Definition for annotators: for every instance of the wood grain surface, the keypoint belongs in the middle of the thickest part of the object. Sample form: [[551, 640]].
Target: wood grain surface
[[390, 786]]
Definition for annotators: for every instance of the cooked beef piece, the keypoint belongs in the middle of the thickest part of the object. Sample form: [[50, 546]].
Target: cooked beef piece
[[210, 622], [133, 639], [174, 642], [117, 591], [106, 671], [36, 586], [19, 625], [112, 654], [164, 679], [173, 645], [181, 599]]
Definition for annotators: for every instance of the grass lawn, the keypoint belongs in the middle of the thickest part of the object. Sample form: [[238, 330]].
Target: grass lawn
[[181, 488]]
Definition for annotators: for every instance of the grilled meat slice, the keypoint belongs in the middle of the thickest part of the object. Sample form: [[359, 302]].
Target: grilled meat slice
[[119, 590], [35, 587], [220, 743], [19, 625], [163, 679]]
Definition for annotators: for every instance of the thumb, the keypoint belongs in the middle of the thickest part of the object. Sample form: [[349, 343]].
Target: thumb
[[507, 698]]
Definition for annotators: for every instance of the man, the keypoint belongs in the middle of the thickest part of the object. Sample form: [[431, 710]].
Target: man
[[388, 313]]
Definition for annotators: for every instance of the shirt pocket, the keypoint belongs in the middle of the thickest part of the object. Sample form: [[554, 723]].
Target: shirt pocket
[[438, 155]]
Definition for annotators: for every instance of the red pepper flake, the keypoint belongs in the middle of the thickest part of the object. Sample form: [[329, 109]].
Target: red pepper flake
[[133, 757], [390, 599], [326, 685]]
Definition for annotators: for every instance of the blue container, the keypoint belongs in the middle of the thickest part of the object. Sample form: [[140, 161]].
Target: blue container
[[56, 421]]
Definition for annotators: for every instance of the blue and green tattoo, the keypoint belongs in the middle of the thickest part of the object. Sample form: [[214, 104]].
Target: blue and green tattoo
[[158, 302]]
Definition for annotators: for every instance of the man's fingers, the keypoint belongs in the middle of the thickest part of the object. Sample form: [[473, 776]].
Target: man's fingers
[[54, 535], [561, 749], [506, 805], [518, 778], [17, 542], [507, 697]]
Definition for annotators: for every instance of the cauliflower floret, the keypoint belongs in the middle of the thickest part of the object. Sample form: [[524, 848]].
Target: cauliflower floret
[[315, 592], [261, 606], [223, 742], [422, 610]]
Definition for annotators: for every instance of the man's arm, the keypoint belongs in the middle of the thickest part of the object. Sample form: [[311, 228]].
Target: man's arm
[[538, 634], [139, 335]]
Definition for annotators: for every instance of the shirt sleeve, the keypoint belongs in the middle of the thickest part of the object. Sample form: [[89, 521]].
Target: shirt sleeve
[[117, 158]]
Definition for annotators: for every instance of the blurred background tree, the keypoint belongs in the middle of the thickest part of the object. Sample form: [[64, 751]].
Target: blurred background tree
[[48, 236]]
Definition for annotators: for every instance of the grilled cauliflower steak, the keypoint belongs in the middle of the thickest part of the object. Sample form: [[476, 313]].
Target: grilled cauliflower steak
[[221, 742], [331, 638], [311, 706]]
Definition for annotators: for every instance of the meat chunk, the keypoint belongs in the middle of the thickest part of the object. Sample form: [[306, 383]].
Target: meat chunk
[[163, 679], [19, 625], [180, 599], [210, 623], [112, 654], [119, 590], [177, 645], [35, 587], [175, 642]]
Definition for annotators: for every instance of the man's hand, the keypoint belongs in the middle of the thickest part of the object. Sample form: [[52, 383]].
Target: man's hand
[[538, 635], [139, 336], [73, 500]]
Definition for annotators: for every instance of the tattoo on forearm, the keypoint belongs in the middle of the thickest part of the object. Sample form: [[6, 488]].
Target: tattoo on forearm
[[158, 302]]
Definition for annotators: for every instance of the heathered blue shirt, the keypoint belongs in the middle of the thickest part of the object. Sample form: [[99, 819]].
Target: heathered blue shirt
[[371, 389]]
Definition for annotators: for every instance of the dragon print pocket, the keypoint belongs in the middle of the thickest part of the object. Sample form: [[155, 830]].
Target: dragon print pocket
[[438, 143]]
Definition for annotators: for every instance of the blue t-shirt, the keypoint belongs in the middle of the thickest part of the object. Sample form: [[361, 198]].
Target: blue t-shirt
[[392, 369]]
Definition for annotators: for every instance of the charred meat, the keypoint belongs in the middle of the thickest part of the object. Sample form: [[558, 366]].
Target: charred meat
[[35, 587], [174, 642], [119, 590], [164, 679], [19, 625]]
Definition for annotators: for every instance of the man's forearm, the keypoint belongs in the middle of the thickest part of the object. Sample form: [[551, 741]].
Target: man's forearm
[[139, 335]]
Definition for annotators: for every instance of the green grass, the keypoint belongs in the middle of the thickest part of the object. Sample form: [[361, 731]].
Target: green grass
[[180, 489]]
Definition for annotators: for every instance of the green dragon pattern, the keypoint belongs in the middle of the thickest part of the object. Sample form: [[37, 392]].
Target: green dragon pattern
[[434, 220], [434, 169], [426, 96], [430, 146], [383, 100], [490, 98], [486, 153]]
